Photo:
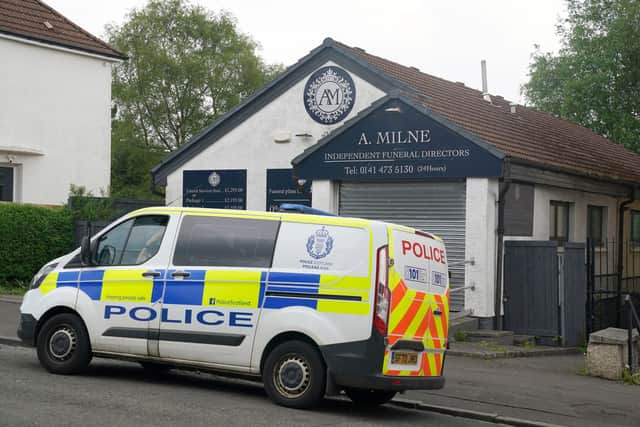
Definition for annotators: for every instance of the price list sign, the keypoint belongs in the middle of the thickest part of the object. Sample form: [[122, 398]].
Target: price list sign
[[282, 188], [218, 189]]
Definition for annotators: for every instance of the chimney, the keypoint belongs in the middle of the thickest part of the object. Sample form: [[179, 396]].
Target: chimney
[[485, 90], [513, 107]]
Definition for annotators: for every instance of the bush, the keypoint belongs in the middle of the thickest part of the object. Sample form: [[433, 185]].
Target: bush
[[29, 237]]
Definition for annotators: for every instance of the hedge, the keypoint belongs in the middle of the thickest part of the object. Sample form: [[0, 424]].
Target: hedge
[[29, 237]]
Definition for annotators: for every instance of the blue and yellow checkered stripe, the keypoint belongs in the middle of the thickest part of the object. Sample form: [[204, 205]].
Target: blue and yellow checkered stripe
[[221, 288]]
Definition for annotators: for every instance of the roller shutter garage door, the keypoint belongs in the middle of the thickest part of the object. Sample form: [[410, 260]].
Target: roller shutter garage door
[[435, 207]]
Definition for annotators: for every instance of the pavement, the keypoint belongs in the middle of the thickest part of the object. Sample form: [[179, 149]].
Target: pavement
[[513, 391]]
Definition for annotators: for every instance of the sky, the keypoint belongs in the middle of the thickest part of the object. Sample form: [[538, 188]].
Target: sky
[[445, 38]]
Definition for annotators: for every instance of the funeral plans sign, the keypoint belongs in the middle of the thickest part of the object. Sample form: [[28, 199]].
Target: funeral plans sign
[[398, 141], [283, 188], [219, 189]]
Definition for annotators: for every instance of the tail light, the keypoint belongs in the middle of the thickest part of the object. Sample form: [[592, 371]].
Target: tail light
[[383, 295]]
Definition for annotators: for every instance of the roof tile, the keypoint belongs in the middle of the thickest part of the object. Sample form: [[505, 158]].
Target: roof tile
[[26, 18], [527, 134]]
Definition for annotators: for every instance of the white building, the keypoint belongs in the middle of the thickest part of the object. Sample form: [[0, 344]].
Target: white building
[[55, 105], [380, 140]]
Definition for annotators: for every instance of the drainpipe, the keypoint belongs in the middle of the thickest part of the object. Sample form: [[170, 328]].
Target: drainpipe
[[621, 209], [506, 180]]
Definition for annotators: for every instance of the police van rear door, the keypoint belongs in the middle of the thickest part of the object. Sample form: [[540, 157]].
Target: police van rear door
[[418, 317], [214, 287]]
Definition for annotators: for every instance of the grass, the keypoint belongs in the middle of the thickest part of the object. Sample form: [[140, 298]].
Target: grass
[[492, 346], [460, 335], [13, 289], [583, 372], [631, 378], [528, 344]]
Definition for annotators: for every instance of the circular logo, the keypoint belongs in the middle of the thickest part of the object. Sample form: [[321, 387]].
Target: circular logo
[[329, 95], [214, 179], [319, 244]]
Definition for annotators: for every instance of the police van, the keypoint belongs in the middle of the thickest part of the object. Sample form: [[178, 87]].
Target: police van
[[311, 305]]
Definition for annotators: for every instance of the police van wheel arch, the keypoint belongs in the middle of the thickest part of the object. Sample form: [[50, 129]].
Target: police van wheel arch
[[367, 397], [63, 344], [294, 375]]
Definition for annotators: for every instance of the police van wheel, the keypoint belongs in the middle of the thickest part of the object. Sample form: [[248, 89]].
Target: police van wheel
[[63, 345], [294, 375], [366, 397]]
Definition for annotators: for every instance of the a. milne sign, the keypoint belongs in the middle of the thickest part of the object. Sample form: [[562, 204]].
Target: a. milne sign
[[396, 141]]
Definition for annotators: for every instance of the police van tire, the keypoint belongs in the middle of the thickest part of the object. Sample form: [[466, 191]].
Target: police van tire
[[63, 345], [294, 375], [366, 397]]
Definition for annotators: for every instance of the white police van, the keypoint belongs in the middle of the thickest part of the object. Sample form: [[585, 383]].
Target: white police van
[[309, 304]]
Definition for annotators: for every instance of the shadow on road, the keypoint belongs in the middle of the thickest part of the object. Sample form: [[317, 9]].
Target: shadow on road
[[131, 372]]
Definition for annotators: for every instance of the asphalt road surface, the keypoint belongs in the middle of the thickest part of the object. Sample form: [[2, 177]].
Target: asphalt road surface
[[114, 393]]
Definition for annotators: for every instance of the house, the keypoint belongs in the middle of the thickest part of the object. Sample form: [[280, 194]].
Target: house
[[358, 135], [55, 105]]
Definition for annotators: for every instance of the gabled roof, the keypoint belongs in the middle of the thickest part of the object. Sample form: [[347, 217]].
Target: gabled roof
[[527, 136], [34, 20]]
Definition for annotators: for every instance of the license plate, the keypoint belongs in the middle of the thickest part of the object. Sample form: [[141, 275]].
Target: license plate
[[404, 358]]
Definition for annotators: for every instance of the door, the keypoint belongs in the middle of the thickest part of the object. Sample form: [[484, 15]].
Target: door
[[6, 184], [123, 288], [531, 303], [419, 309], [214, 288], [434, 207]]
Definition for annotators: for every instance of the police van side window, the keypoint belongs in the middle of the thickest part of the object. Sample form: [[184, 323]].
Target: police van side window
[[225, 242], [133, 242]]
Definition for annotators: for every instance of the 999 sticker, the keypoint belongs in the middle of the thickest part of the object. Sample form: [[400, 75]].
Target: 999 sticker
[[439, 279], [415, 274]]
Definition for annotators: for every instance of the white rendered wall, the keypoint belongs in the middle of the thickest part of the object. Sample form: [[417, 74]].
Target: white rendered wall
[[325, 195], [543, 195], [57, 103], [251, 145], [480, 245]]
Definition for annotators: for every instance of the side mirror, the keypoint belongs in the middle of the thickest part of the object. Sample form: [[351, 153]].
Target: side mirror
[[86, 255]]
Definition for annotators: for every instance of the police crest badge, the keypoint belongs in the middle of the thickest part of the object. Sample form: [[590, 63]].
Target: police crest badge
[[320, 244]]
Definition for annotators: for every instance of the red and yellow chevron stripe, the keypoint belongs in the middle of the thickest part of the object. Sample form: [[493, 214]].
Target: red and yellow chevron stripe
[[412, 318]]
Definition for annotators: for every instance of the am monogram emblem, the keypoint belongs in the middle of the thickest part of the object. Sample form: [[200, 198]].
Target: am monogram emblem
[[329, 95]]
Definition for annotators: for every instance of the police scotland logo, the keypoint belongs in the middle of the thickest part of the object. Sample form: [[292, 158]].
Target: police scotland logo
[[329, 95], [319, 244]]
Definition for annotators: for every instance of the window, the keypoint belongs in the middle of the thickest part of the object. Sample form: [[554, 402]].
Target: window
[[596, 224], [132, 242], [635, 228], [229, 242], [518, 210], [6, 184], [559, 221]]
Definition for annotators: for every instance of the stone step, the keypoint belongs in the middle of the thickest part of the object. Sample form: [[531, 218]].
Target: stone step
[[488, 335], [524, 340], [463, 325]]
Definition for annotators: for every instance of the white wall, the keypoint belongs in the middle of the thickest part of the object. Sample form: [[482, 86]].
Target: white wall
[[543, 195], [250, 145], [480, 245], [57, 103], [481, 232]]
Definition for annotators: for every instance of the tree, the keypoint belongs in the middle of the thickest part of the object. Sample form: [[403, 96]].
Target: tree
[[594, 80], [131, 161], [186, 67]]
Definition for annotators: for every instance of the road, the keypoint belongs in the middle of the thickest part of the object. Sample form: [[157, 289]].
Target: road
[[113, 393]]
